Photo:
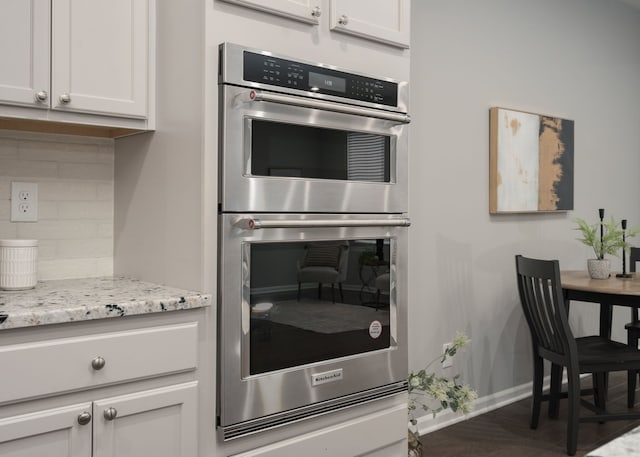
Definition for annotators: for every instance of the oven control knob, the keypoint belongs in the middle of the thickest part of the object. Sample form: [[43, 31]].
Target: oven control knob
[[343, 20], [316, 12]]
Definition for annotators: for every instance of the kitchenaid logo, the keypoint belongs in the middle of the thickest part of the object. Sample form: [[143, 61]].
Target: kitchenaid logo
[[327, 376]]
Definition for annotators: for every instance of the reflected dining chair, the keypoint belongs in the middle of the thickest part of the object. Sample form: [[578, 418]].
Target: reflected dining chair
[[633, 331], [545, 312], [324, 262]]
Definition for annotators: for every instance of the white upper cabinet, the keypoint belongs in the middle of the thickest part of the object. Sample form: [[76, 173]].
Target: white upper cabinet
[[84, 62], [100, 56], [25, 35], [301, 10], [386, 21]]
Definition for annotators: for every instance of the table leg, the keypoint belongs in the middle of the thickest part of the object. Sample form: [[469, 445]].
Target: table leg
[[606, 318]]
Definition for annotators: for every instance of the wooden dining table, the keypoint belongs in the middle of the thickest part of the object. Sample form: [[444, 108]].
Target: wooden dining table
[[577, 285]]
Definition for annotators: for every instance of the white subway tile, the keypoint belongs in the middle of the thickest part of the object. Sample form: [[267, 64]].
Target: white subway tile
[[66, 269], [47, 209], [105, 229], [8, 230], [8, 148], [94, 248], [26, 169], [105, 191], [67, 190], [5, 210], [47, 249], [87, 171], [5, 188], [85, 210], [58, 230], [41, 150], [104, 266]]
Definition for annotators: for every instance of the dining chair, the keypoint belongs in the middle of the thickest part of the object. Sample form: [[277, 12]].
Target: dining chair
[[633, 332], [546, 315], [324, 262]]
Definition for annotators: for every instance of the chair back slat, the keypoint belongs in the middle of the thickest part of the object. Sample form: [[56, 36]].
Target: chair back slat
[[634, 256], [543, 304]]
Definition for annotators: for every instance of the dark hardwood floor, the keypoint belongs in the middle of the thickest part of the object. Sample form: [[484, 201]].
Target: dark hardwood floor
[[505, 432]]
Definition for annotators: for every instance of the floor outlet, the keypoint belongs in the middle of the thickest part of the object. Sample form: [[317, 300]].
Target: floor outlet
[[24, 202], [448, 362]]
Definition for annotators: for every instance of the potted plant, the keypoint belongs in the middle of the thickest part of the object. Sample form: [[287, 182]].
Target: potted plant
[[604, 238], [434, 393]]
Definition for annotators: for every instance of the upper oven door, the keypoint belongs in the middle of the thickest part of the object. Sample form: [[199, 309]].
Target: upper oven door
[[283, 153]]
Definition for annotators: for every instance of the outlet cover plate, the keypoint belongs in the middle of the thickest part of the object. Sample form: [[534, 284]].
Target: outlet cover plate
[[24, 202]]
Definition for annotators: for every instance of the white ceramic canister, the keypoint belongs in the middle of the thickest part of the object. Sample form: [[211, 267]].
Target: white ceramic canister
[[18, 264]]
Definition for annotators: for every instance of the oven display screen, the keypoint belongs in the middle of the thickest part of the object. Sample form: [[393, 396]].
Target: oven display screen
[[320, 81]]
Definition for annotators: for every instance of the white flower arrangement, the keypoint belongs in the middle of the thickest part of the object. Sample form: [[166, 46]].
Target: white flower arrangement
[[430, 392]]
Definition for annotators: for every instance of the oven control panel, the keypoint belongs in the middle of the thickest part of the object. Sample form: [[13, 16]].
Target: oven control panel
[[276, 71]]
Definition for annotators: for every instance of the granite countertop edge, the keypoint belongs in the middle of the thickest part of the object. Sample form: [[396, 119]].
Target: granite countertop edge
[[73, 300]]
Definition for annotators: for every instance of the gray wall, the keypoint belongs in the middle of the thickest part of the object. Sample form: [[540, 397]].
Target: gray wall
[[577, 59]]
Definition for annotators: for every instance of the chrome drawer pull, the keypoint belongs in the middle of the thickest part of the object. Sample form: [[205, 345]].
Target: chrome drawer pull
[[84, 418], [110, 413], [98, 363]]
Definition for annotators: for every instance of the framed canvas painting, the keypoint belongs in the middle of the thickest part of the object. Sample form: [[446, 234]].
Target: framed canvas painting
[[530, 163]]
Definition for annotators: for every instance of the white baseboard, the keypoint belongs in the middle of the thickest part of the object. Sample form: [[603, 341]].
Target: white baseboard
[[428, 423]]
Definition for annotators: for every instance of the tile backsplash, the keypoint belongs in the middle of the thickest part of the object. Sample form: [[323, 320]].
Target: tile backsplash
[[75, 200]]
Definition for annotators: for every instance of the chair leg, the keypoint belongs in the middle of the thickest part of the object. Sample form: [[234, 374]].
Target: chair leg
[[333, 294], [554, 390], [573, 409], [341, 294], [538, 373], [298, 292], [632, 375], [600, 392]]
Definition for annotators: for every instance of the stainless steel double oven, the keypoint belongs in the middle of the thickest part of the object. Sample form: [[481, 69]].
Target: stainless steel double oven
[[312, 287]]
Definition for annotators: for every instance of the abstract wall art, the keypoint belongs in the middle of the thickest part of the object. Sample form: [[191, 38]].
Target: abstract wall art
[[531, 162]]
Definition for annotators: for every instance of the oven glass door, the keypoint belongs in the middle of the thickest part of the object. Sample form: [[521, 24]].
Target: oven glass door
[[315, 301], [301, 151], [287, 158], [312, 307]]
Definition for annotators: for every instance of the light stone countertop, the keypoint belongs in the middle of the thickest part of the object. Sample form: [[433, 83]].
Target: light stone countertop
[[627, 445], [72, 300]]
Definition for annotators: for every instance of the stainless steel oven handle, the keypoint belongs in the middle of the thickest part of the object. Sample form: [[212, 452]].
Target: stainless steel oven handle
[[249, 223], [259, 96]]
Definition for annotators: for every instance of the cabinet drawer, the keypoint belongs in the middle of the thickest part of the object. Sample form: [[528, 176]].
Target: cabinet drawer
[[65, 364]]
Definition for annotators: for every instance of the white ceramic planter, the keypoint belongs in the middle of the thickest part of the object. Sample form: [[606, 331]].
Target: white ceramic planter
[[599, 268]]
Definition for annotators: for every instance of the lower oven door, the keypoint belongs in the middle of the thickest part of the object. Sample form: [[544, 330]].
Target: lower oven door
[[312, 315]]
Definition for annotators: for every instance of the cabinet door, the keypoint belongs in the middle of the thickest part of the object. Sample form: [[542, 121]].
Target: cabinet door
[[100, 55], [300, 10], [24, 52], [159, 423], [52, 433], [379, 20]]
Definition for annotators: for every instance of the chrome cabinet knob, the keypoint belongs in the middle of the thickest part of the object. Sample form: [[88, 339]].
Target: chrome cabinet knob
[[64, 98], [110, 413], [42, 96], [84, 418], [98, 363], [316, 12], [343, 20]]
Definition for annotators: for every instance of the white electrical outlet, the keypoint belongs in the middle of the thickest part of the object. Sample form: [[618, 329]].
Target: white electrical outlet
[[24, 202], [448, 362]]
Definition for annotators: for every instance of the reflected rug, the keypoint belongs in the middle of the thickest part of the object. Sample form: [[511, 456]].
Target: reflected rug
[[326, 317]]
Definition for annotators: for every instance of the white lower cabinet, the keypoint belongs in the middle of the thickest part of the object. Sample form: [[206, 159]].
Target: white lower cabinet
[[159, 422], [54, 433]]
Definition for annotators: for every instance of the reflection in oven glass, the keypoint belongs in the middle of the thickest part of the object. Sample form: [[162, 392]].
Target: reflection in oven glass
[[312, 152], [317, 301]]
